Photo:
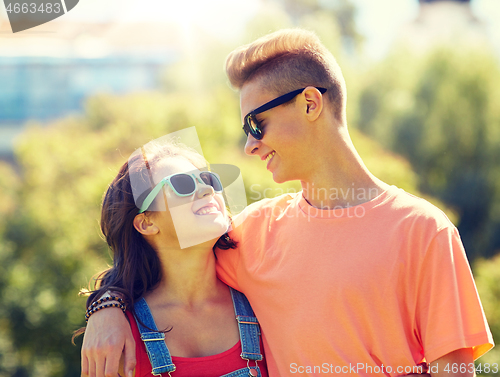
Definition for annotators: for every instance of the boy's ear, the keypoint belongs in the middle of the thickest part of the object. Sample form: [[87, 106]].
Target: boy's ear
[[144, 225], [314, 103]]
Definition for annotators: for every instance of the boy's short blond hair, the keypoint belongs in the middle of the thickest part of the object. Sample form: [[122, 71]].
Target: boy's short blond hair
[[287, 60]]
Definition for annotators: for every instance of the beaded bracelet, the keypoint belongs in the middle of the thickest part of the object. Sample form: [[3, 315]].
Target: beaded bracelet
[[104, 299], [109, 305], [97, 305]]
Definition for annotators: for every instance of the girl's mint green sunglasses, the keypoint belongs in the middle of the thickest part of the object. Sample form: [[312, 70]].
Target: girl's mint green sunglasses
[[183, 184]]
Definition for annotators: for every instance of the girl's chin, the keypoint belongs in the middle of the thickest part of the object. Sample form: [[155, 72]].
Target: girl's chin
[[209, 234]]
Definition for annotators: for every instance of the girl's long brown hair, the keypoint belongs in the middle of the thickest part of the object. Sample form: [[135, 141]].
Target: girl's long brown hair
[[136, 267]]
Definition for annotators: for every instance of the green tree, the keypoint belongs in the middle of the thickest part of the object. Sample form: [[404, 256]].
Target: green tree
[[440, 112], [51, 244], [332, 21], [9, 185], [339, 12], [487, 273]]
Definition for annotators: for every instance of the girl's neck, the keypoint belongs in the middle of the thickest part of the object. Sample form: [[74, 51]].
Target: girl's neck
[[189, 277]]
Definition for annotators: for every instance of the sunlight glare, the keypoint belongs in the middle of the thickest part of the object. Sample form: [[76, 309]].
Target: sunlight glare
[[224, 19]]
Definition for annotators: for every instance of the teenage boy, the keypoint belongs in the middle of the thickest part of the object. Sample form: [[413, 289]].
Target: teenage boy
[[350, 276]]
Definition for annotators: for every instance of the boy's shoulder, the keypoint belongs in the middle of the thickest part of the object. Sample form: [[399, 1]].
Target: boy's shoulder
[[286, 199], [417, 209], [267, 206]]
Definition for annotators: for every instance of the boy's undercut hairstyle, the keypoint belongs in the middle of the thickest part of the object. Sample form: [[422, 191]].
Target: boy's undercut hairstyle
[[287, 60]]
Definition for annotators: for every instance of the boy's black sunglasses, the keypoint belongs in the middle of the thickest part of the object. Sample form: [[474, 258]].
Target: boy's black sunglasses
[[251, 124]]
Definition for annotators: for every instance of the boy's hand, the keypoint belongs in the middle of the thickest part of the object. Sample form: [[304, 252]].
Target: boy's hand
[[108, 334]]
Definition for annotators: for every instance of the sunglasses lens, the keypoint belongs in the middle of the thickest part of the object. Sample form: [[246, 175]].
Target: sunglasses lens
[[183, 183], [253, 127], [212, 180], [252, 124]]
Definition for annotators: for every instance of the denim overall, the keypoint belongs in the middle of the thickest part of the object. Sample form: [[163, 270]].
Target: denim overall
[[158, 353]]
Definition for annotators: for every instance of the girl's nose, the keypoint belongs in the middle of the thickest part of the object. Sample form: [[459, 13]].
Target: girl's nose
[[204, 189]]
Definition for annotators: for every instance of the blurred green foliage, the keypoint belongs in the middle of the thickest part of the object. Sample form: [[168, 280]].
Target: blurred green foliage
[[441, 112], [50, 242], [487, 275]]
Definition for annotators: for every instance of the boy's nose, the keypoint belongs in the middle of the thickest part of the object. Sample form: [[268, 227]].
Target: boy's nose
[[252, 145]]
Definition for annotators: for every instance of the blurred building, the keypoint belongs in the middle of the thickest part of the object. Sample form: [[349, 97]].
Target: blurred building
[[444, 22], [46, 75]]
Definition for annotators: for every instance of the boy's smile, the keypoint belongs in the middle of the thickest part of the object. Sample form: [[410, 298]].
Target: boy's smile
[[282, 147]]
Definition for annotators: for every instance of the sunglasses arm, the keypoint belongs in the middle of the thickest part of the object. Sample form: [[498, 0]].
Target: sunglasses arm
[[152, 195]]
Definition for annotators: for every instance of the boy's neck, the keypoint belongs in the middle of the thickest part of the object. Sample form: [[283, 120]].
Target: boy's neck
[[338, 178], [336, 195]]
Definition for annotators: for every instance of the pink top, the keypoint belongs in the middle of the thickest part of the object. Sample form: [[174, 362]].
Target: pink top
[[208, 366]]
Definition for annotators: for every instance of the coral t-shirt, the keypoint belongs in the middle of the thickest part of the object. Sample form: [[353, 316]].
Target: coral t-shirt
[[207, 366], [373, 289]]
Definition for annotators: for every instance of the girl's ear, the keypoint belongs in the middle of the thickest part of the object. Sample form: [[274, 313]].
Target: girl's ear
[[144, 225]]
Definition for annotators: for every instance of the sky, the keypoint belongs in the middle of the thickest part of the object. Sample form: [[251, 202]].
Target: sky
[[378, 20]]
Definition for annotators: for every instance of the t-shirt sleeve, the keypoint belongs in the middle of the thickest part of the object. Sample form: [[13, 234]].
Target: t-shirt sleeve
[[449, 313]]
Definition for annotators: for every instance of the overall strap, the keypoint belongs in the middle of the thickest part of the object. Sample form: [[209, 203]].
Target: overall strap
[[248, 326], [157, 350]]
